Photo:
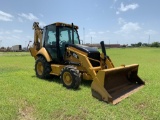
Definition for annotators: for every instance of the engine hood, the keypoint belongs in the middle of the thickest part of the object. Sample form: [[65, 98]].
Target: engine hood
[[84, 48]]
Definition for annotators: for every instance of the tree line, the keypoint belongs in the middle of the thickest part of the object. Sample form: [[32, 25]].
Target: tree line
[[139, 44]]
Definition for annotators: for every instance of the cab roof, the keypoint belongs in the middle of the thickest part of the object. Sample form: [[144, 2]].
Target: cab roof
[[64, 24]]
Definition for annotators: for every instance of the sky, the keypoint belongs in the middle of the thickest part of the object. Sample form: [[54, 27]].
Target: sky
[[111, 21]]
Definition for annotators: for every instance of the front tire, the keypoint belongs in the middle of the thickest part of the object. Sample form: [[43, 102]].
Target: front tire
[[70, 77], [42, 68]]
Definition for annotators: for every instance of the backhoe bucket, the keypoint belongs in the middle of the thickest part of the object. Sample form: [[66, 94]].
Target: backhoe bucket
[[113, 85]]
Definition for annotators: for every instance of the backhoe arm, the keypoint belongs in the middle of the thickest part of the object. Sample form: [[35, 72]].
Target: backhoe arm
[[37, 36]]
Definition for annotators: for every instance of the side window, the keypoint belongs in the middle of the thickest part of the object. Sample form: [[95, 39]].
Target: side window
[[50, 37], [76, 40], [64, 35]]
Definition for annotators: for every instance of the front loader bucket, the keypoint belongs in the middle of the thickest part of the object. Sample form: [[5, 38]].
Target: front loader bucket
[[113, 85]]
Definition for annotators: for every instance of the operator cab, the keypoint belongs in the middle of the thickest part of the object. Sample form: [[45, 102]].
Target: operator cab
[[56, 37]]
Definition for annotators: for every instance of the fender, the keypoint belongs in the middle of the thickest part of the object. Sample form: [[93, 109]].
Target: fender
[[44, 53]]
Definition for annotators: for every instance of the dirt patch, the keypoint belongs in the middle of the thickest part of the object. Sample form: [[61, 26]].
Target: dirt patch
[[141, 106], [26, 112]]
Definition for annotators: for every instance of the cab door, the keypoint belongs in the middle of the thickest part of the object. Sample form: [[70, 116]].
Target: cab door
[[50, 42]]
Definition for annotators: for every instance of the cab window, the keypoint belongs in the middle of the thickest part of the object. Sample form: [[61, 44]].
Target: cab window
[[50, 37]]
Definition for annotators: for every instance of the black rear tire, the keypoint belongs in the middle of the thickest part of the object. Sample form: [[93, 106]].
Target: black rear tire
[[70, 77], [42, 68]]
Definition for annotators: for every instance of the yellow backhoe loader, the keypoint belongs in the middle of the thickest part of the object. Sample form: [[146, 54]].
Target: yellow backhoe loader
[[57, 51]]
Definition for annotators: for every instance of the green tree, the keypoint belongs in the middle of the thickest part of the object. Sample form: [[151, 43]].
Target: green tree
[[139, 44], [155, 44]]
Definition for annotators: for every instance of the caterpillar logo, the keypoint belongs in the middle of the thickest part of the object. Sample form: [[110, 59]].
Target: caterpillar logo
[[75, 55]]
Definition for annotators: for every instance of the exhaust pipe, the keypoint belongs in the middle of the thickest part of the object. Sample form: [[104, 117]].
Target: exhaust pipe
[[103, 49], [72, 33]]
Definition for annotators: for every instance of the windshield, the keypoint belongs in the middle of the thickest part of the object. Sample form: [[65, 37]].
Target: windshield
[[65, 34]]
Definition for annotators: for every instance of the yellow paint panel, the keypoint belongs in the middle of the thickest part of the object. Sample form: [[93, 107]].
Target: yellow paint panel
[[43, 52], [56, 69]]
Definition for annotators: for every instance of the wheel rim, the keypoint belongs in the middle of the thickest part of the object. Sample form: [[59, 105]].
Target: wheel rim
[[67, 78], [39, 68]]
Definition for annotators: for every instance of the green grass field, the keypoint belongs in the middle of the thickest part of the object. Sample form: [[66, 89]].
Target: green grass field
[[25, 97]]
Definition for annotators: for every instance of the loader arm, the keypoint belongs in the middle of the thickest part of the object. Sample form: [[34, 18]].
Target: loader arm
[[92, 71]]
